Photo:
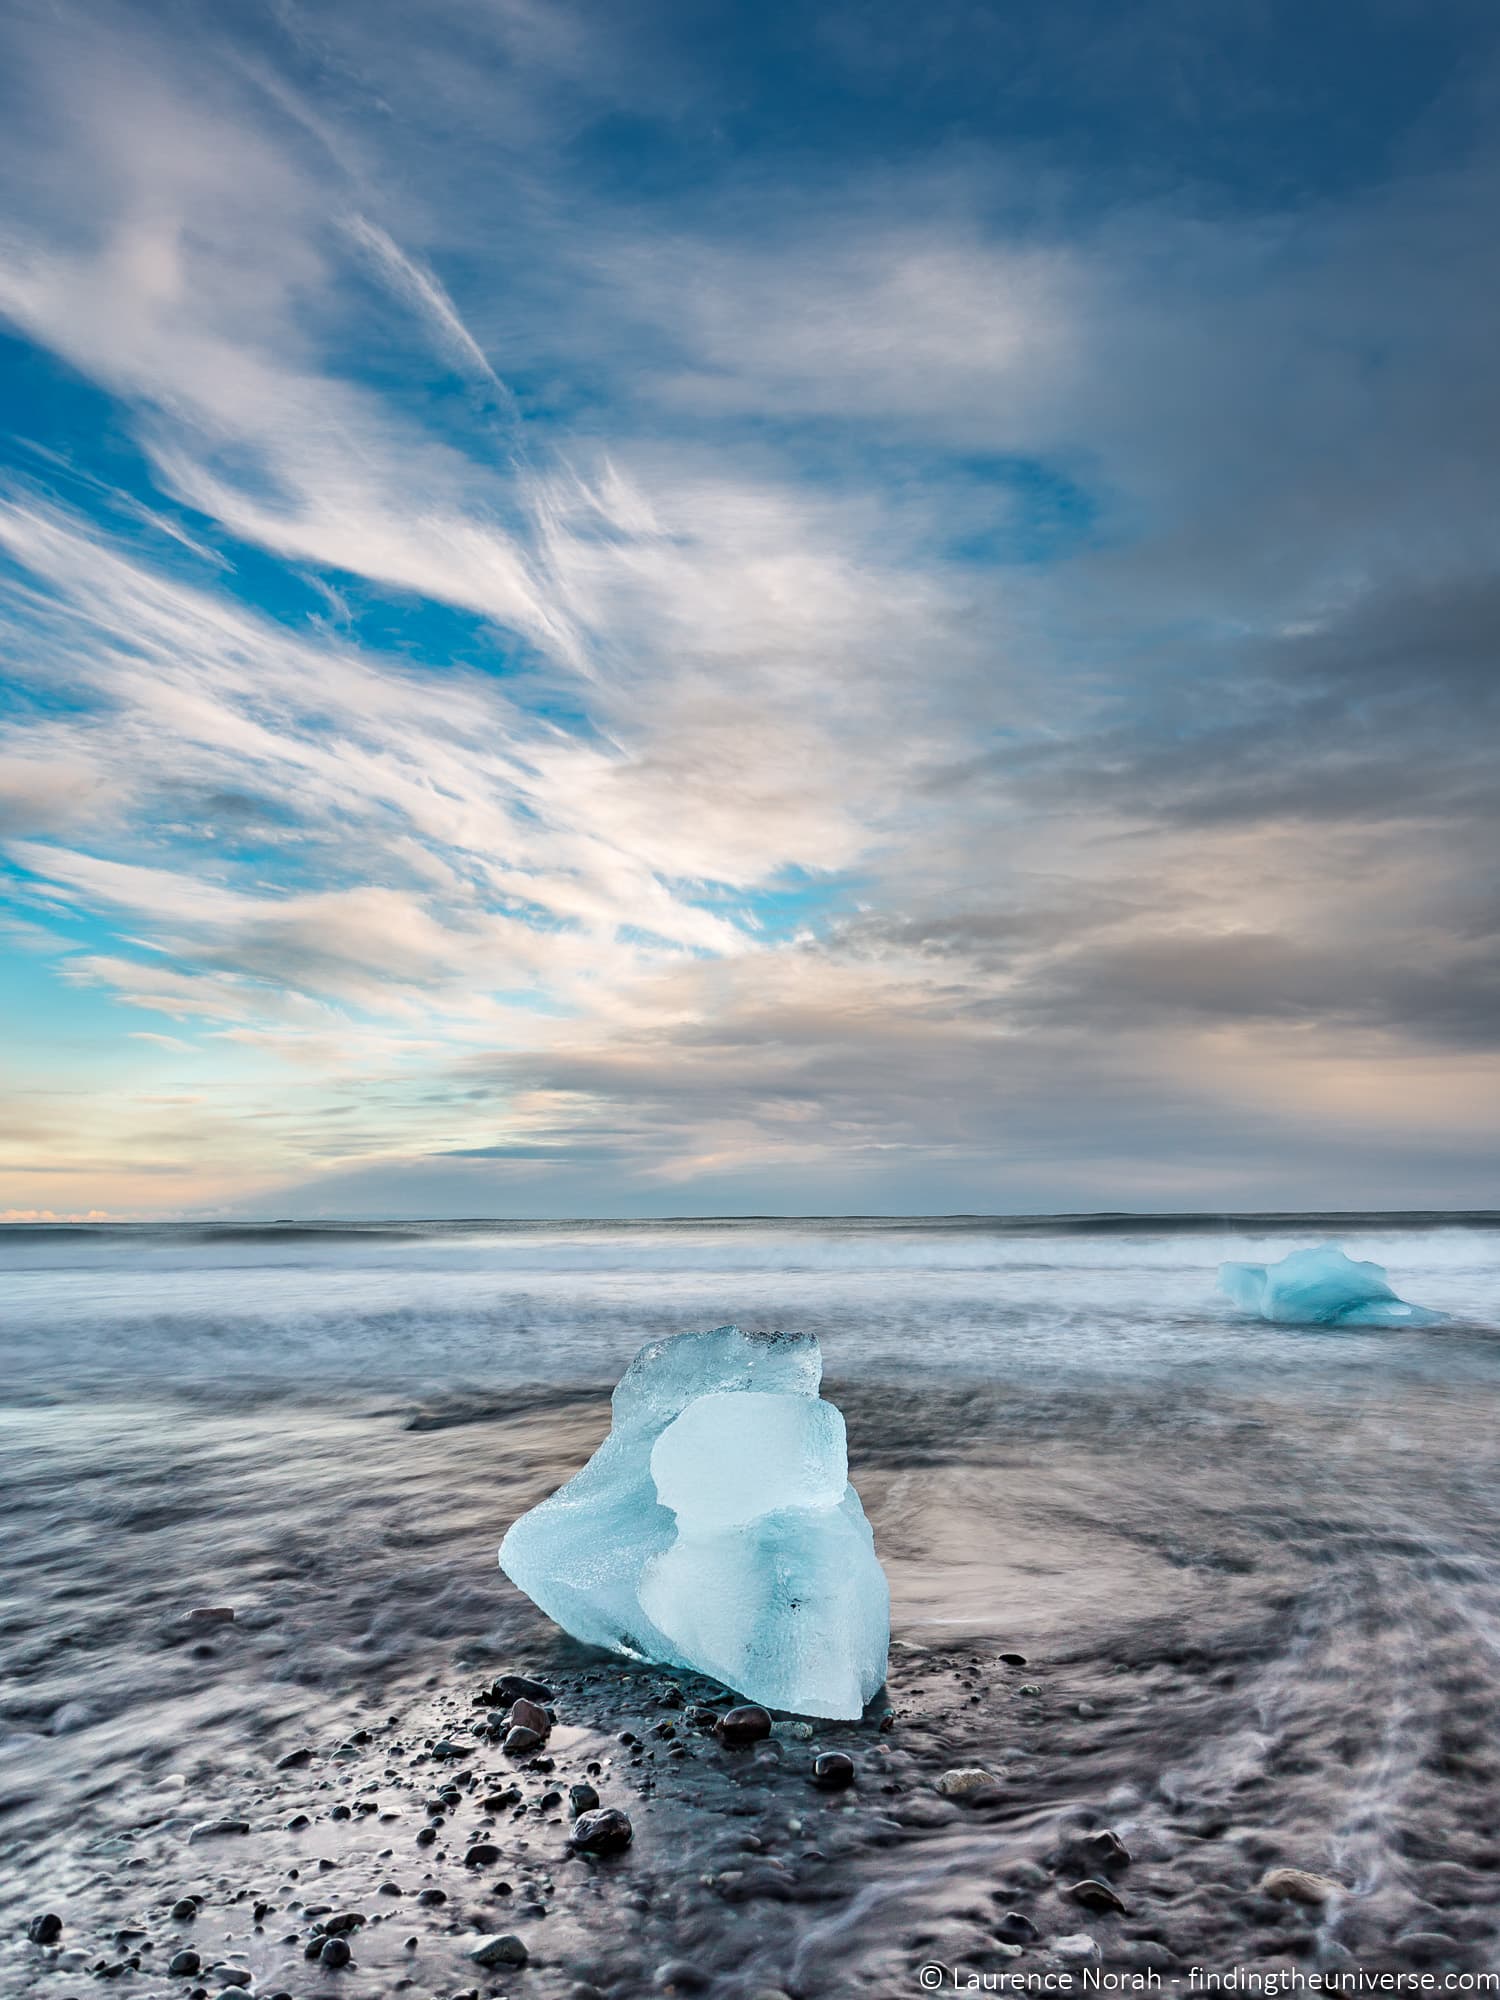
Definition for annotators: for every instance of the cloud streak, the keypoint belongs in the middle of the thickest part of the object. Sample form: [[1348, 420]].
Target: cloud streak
[[973, 684]]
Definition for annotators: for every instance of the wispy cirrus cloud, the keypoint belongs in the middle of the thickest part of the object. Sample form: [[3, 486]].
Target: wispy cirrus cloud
[[933, 674]]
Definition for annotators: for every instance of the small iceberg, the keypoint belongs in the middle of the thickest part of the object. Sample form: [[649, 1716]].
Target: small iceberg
[[1320, 1287], [715, 1528]]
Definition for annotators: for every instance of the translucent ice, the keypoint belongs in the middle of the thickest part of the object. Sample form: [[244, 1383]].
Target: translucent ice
[[715, 1528], [772, 1584], [1320, 1287]]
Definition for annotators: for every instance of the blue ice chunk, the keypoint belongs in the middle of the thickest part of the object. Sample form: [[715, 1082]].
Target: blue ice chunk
[[1320, 1287], [772, 1584], [715, 1528]]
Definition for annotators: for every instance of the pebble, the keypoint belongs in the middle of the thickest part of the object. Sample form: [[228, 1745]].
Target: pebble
[[230, 1975], [833, 1771], [516, 1687], [1015, 1927], [1298, 1885], [604, 1831], [528, 1715], [1012, 1659], [483, 1854], [1078, 1945], [211, 1614], [680, 1975], [506, 1949], [294, 1759], [432, 1899], [521, 1741], [747, 1724], [1106, 1849], [966, 1781], [184, 1909], [335, 1953], [210, 1829], [185, 1962], [1424, 1946], [1093, 1895], [582, 1799], [45, 1930]]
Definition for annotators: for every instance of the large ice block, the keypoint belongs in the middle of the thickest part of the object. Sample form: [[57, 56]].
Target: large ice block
[[772, 1584], [1321, 1287], [715, 1528]]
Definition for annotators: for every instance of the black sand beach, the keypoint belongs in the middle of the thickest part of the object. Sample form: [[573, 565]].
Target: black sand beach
[[1254, 1613]]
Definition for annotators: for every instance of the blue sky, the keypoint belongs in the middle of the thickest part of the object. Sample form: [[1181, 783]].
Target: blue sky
[[660, 609]]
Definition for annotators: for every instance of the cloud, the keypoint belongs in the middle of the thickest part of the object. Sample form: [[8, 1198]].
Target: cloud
[[954, 668]]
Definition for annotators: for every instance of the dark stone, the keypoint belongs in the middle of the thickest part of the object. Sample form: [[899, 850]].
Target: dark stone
[[185, 1962], [1015, 1927], [604, 1831], [1012, 1659], [483, 1854], [739, 1726], [45, 1930], [514, 1687], [833, 1771], [432, 1899], [498, 1801], [521, 1741], [527, 1715], [699, 1717], [426, 1836], [294, 1760], [494, 1951], [1105, 1850], [184, 1909], [335, 1953], [1092, 1895], [680, 1975], [1425, 1946], [345, 1921], [581, 1799]]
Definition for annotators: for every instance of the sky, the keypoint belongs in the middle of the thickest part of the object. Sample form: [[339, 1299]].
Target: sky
[[828, 606]]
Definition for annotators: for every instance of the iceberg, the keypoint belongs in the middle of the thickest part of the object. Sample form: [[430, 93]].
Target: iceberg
[[1320, 1287], [715, 1528]]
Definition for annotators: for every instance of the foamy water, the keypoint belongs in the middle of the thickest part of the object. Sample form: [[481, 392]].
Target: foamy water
[[570, 1303]]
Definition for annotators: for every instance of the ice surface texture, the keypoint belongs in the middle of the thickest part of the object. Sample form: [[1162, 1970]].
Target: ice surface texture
[[1320, 1287], [715, 1528]]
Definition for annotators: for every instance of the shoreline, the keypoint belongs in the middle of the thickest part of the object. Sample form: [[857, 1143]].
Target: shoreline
[[415, 1838]]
